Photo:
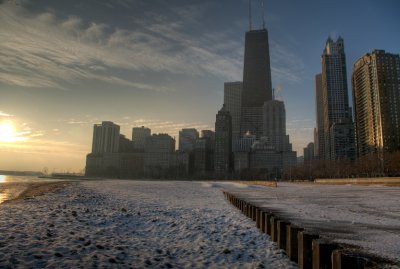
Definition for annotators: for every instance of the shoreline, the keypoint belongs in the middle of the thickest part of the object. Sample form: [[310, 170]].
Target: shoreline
[[35, 189]]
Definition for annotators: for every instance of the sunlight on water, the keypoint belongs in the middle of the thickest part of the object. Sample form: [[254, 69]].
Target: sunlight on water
[[3, 197], [2, 178]]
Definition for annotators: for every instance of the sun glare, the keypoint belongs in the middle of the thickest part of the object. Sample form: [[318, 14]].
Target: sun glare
[[7, 133]]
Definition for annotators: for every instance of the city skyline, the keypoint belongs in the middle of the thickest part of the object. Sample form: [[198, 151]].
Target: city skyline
[[157, 65]]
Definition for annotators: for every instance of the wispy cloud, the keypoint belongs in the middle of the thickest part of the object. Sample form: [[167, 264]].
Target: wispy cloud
[[286, 66], [46, 147], [45, 51], [4, 114], [159, 126]]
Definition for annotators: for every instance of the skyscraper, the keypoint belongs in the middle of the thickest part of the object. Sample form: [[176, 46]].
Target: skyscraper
[[257, 84], [336, 110], [319, 136], [233, 103], [105, 137], [223, 141], [139, 135], [376, 98]]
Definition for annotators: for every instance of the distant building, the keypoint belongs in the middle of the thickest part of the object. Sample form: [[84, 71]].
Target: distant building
[[252, 121], [342, 141], [113, 155], [223, 141], [376, 98], [244, 143], [200, 156], [300, 160], [159, 155], [209, 136], [309, 153], [139, 136], [241, 161], [233, 103], [274, 123], [181, 164], [336, 108], [266, 160], [125, 145], [187, 139], [105, 138]]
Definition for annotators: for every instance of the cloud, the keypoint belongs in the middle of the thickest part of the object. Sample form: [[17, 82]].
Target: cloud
[[285, 65], [46, 147], [3, 114], [159, 126], [45, 51]]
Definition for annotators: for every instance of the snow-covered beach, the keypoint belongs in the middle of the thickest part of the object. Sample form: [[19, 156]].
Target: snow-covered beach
[[133, 224]]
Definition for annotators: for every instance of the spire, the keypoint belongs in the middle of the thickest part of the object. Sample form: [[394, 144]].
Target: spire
[[263, 14], [250, 15]]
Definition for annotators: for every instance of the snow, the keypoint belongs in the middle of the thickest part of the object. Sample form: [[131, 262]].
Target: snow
[[365, 216], [134, 224]]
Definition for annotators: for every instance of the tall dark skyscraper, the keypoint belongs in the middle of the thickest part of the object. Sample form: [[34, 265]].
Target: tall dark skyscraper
[[258, 122], [338, 125], [257, 85]]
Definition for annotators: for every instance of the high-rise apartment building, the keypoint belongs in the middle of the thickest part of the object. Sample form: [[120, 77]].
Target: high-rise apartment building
[[223, 141], [376, 98], [139, 135], [336, 110], [105, 137], [187, 139], [257, 84], [233, 103]]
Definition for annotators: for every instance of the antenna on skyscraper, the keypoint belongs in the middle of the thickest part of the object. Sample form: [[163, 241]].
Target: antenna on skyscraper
[[249, 15], [263, 14]]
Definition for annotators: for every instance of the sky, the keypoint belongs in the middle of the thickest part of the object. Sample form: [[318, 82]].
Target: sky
[[66, 65]]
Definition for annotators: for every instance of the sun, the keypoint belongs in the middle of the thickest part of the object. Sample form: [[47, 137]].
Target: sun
[[7, 133]]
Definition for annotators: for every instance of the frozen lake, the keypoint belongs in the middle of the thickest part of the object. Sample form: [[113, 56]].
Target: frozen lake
[[365, 216]]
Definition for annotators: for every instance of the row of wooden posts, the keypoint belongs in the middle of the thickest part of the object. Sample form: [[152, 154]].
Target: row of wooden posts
[[308, 249]]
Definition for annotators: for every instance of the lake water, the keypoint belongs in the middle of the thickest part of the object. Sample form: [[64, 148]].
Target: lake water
[[12, 186]]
